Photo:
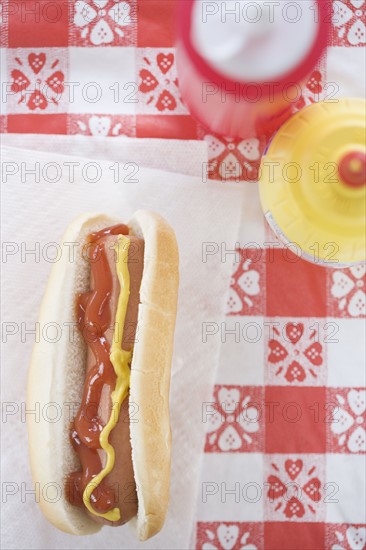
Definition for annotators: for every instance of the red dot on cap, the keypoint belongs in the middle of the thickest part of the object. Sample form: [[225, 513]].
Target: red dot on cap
[[352, 169]]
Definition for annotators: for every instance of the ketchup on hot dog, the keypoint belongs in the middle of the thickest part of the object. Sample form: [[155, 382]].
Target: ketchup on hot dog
[[94, 316]]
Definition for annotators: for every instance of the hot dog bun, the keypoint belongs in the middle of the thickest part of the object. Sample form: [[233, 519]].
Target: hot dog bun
[[57, 373]]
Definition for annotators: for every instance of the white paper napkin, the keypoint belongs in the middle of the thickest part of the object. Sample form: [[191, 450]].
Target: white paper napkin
[[38, 212], [174, 155]]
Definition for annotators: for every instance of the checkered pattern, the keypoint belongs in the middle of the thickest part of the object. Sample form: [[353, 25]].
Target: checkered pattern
[[284, 463], [284, 456]]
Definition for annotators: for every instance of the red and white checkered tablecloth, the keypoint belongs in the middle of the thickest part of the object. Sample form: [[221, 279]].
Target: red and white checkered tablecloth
[[284, 457]]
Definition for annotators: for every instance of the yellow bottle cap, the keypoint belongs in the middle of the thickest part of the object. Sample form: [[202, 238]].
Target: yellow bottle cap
[[313, 182]]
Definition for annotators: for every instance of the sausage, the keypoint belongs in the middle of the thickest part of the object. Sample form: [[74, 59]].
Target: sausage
[[121, 478], [118, 488]]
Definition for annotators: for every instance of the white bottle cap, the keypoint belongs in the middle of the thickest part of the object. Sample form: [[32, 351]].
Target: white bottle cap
[[253, 39]]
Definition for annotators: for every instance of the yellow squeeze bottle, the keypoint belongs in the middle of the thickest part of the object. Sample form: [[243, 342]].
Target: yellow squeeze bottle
[[313, 182]]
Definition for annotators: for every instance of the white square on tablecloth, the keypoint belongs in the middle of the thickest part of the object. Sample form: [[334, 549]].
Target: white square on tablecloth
[[231, 487], [344, 70], [345, 475], [242, 351], [346, 358], [113, 70]]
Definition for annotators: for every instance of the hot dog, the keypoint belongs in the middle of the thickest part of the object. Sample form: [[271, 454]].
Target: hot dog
[[107, 467]]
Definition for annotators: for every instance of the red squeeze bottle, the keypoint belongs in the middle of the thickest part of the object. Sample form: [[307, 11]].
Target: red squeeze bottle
[[241, 63]]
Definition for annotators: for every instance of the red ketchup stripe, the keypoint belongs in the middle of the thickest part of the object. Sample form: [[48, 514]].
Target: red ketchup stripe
[[94, 319]]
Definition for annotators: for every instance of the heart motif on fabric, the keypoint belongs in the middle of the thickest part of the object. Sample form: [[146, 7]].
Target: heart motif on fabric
[[342, 421], [278, 352], [84, 14], [165, 61], [294, 508], [295, 372], [229, 399], [148, 81], [229, 440], [166, 101], [20, 83], [342, 14], [312, 489], [357, 304], [249, 148], [358, 271], [356, 537], [36, 61], [293, 468], [277, 489], [230, 167], [215, 146], [37, 101], [357, 441], [294, 331], [313, 83], [357, 401], [234, 304], [342, 284], [227, 535], [313, 353], [357, 33], [99, 125], [215, 419], [249, 282], [56, 82], [101, 33]]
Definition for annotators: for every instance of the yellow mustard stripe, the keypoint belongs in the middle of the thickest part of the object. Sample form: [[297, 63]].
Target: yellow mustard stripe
[[120, 360]]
